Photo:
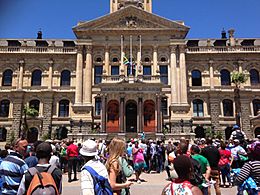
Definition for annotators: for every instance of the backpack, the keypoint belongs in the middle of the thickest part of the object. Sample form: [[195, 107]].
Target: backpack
[[196, 177], [101, 184], [42, 183]]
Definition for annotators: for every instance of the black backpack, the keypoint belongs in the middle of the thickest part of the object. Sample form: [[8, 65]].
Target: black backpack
[[196, 177]]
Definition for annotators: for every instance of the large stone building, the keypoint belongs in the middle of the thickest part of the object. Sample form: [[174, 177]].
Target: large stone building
[[168, 84]]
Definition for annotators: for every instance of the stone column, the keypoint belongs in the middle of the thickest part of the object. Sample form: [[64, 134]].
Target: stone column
[[211, 73], [174, 97], [155, 60], [183, 76], [50, 74], [139, 67], [245, 113], [159, 113], [140, 114], [17, 115], [79, 76], [240, 64], [122, 66], [107, 60], [103, 113], [88, 77], [122, 114], [214, 110], [47, 113], [20, 81]]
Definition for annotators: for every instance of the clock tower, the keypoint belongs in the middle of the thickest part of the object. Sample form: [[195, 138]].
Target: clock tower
[[120, 4]]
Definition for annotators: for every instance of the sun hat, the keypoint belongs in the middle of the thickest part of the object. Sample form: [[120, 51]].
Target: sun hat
[[89, 148]]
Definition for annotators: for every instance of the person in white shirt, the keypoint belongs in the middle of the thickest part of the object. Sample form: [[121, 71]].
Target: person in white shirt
[[89, 151]]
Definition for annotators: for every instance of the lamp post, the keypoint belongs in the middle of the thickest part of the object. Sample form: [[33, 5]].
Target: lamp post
[[50, 130], [213, 130], [182, 124], [191, 124], [71, 125], [80, 125]]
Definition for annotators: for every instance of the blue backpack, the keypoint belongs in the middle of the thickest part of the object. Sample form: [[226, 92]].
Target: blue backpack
[[101, 184]]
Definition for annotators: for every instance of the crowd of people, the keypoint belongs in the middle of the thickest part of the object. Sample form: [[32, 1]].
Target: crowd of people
[[105, 166]]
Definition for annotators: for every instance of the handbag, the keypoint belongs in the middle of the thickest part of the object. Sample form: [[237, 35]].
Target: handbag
[[126, 168]]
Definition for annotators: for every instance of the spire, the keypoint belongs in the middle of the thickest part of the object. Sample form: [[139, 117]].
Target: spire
[[116, 5]]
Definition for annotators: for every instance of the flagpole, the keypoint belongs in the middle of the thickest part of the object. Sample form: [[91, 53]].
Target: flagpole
[[140, 39], [122, 51], [131, 55]]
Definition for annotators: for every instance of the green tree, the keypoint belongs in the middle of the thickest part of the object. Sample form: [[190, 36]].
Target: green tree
[[27, 112], [238, 78]]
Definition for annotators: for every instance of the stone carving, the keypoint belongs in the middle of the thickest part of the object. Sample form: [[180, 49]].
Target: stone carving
[[131, 22]]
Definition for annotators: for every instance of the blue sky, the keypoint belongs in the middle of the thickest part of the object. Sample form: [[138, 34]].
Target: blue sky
[[23, 18]]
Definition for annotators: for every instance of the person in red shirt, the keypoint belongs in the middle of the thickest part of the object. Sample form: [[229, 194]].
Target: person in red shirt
[[224, 164], [72, 153]]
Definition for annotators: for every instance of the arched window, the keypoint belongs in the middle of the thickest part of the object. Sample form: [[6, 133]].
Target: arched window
[[4, 108], [115, 59], [256, 106], [163, 59], [35, 104], [254, 77], [36, 78], [65, 78], [146, 59], [228, 107], [225, 77], [98, 59], [198, 108], [196, 78], [64, 108], [98, 105], [7, 78]]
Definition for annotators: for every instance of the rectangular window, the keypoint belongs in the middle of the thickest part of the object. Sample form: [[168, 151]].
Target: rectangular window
[[164, 74], [98, 106], [164, 107], [98, 74], [114, 70], [147, 72]]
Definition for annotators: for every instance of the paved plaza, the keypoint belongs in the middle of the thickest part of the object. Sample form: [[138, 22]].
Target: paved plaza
[[153, 186]]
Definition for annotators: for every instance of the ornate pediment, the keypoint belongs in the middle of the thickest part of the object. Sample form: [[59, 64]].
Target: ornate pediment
[[130, 18]]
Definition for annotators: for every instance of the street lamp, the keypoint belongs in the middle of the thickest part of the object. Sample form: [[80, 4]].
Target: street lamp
[[50, 130], [71, 125], [80, 125], [191, 124], [182, 124]]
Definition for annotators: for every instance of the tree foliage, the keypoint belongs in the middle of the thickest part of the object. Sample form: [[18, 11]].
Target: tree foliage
[[238, 78], [32, 112]]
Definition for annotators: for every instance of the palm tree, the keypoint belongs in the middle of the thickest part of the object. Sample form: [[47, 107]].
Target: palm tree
[[238, 78]]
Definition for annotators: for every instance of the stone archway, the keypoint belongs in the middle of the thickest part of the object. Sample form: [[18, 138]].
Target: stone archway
[[257, 131], [200, 132], [131, 117], [149, 116], [32, 135]]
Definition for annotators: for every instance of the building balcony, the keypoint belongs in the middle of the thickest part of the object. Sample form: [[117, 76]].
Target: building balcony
[[32, 49], [224, 49], [139, 78]]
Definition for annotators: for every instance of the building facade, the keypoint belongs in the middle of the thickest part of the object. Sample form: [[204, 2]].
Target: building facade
[[128, 72]]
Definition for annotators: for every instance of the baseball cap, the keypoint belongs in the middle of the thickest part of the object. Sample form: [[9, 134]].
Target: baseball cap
[[89, 148], [236, 127]]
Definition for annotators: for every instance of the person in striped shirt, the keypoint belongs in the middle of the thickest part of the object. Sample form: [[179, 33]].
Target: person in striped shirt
[[13, 167], [251, 168]]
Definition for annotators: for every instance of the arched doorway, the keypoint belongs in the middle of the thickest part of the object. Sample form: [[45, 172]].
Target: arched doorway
[[32, 135], [149, 116], [112, 125], [131, 117], [3, 132], [228, 132], [200, 132], [62, 133], [257, 131]]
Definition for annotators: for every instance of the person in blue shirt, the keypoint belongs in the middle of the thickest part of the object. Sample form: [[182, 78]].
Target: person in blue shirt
[[3, 154]]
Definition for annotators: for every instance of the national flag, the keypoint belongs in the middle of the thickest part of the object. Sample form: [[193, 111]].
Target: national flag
[[126, 61]]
